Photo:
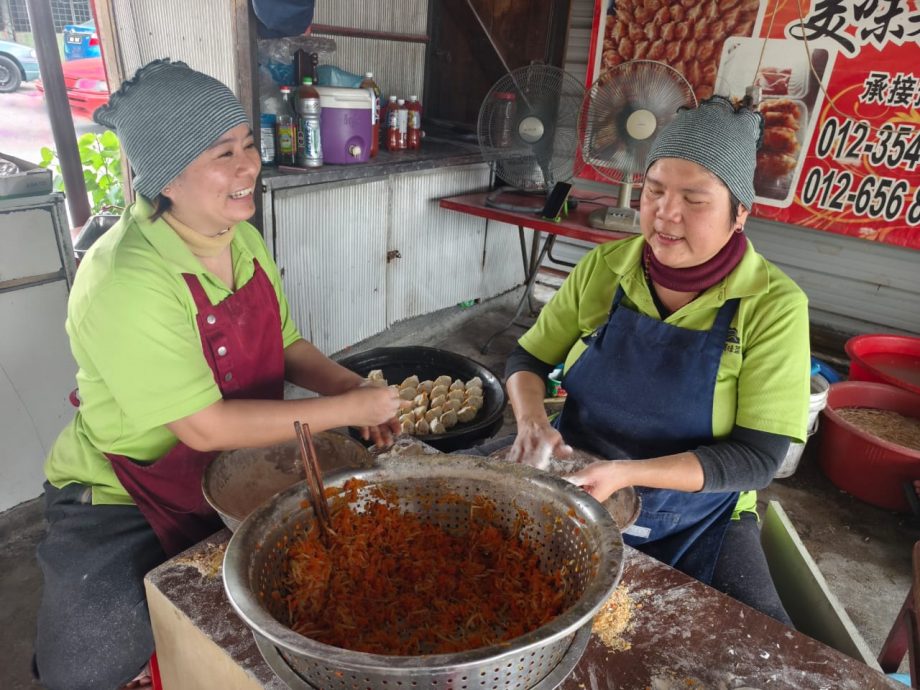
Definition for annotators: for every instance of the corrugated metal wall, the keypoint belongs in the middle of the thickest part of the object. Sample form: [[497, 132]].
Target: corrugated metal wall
[[187, 31], [852, 285], [441, 252], [330, 243], [396, 16], [398, 66]]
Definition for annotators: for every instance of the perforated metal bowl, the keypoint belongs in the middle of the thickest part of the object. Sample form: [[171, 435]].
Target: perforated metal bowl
[[567, 527]]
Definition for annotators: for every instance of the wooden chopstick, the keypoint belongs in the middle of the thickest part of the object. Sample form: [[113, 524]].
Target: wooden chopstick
[[314, 477]]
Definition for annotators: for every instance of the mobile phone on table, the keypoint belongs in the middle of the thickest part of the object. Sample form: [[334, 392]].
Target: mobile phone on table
[[556, 200]]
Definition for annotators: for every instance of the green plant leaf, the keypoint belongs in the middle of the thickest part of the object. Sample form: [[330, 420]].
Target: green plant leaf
[[109, 140], [86, 139]]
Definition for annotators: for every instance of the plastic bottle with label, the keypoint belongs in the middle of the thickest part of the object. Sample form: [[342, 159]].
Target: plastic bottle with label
[[310, 146], [392, 122], [286, 129], [402, 121], [505, 105], [267, 123], [414, 134], [369, 84]]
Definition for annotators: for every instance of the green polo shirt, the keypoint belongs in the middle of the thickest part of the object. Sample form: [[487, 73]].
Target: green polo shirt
[[132, 325], [763, 377]]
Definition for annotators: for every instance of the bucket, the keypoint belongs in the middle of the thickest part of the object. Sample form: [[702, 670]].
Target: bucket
[[816, 403]]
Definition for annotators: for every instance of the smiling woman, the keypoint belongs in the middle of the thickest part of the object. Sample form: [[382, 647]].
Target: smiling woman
[[686, 360], [183, 339]]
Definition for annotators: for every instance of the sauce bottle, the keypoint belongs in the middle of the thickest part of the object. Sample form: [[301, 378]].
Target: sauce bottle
[[402, 120], [392, 123], [371, 85], [414, 134], [286, 129]]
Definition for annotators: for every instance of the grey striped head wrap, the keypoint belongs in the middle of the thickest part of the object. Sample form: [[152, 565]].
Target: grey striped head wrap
[[718, 137], [165, 117]]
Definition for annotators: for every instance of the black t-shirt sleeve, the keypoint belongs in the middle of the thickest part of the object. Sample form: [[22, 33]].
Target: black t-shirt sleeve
[[746, 460], [521, 360]]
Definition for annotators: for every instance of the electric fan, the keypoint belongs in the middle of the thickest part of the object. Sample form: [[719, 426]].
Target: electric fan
[[621, 115], [528, 130]]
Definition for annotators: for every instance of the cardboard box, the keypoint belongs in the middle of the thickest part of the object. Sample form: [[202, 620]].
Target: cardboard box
[[31, 180]]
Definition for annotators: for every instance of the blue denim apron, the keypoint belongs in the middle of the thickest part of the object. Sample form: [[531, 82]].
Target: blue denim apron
[[644, 388]]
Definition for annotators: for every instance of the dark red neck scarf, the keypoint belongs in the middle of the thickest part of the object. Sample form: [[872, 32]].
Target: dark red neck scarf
[[696, 278]]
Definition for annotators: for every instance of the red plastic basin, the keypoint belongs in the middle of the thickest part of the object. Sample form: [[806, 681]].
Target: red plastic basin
[[861, 464], [892, 359]]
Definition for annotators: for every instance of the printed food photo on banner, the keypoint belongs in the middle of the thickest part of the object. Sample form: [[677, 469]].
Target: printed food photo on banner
[[839, 87], [789, 80]]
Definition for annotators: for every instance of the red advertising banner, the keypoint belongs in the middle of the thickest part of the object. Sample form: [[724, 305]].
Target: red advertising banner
[[840, 84]]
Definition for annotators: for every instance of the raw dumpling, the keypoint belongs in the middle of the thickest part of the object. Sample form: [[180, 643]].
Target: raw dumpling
[[443, 381], [433, 413], [422, 428], [376, 375], [448, 419], [419, 412], [376, 383], [437, 401], [474, 382], [475, 402], [407, 393], [438, 390], [407, 424], [421, 400], [426, 386], [410, 381], [452, 404], [436, 427], [457, 385], [457, 395], [466, 414]]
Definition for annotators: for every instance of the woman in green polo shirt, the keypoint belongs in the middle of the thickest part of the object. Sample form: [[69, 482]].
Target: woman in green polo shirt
[[686, 359], [183, 340]]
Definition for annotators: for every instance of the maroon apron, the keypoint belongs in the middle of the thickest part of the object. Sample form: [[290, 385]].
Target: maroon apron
[[241, 339]]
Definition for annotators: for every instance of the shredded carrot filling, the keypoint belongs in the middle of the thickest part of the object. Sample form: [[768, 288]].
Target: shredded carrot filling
[[394, 584]]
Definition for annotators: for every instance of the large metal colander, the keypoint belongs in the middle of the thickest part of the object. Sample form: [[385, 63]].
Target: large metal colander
[[566, 527]]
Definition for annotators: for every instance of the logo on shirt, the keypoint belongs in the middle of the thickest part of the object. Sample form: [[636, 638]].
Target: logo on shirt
[[733, 342]]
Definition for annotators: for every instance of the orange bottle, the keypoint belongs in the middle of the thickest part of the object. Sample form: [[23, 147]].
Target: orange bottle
[[414, 133]]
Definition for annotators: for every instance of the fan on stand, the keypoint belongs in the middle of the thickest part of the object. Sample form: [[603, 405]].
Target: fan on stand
[[527, 129], [621, 115]]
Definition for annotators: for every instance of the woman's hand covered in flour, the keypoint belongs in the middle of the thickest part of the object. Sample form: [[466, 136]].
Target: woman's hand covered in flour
[[374, 411], [600, 479], [536, 443]]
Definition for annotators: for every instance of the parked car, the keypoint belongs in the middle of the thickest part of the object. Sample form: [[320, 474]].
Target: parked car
[[81, 41], [85, 83], [17, 64]]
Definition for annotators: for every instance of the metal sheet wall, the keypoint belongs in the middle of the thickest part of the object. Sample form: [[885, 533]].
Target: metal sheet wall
[[399, 68], [441, 252], [397, 16], [330, 243], [503, 268], [187, 31]]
